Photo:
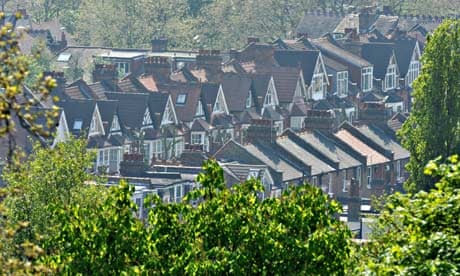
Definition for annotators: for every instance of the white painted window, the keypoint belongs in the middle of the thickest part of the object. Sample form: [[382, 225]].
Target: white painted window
[[317, 86], [219, 105], [390, 77], [269, 98], [249, 100], [366, 79], [199, 109], [342, 84], [197, 139], [158, 148], [181, 98], [369, 177], [77, 124], [297, 122], [414, 71], [122, 67], [344, 181]]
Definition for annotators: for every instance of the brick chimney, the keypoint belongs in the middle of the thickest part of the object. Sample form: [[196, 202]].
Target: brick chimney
[[107, 73], [159, 65], [320, 120], [354, 202], [159, 44], [209, 59], [261, 130], [132, 165]]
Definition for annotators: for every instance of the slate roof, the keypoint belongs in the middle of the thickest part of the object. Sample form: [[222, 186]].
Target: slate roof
[[379, 55], [107, 110], [259, 88], [316, 23], [272, 114], [329, 148], [131, 108], [222, 120], [386, 23], [200, 125], [241, 171], [209, 93], [318, 167], [78, 110], [377, 135], [403, 49], [393, 98], [299, 109], [306, 60], [370, 98], [373, 157], [396, 122], [157, 104], [301, 43], [236, 89], [334, 65], [331, 49], [286, 80]]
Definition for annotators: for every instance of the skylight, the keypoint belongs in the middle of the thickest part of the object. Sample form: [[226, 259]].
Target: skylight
[[77, 124], [64, 57], [181, 98]]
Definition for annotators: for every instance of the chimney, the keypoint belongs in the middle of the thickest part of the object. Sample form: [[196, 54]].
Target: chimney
[[352, 33], [133, 165], [159, 44], [210, 59], [159, 65], [107, 73], [320, 120], [252, 39], [261, 130], [374, 113], [354, 202]]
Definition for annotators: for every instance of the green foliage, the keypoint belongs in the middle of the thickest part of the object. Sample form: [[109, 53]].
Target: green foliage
[[432, 129], [419, 234]]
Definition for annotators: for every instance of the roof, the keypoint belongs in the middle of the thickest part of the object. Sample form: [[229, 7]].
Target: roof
[[131, 108], [393, 98], [332, 50], [327, 147], [107, 110], [271, 113], [209, 93], [403, 49], [78, 114], [157, 105], [236, 89], [260, 88], [299, 109], [275, 161], [373, 157], [200, 125], [334, 65], [185, 111], [286, 80], [386, 23], [377, 135], [317, 165], [316, 23], [241, 171], [379, 55], [131, 85], [306, 60], [396, 122], [123, 54]]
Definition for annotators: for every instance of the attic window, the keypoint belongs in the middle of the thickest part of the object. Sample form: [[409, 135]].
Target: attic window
[[64, 57], [181, 98], [77, 124]]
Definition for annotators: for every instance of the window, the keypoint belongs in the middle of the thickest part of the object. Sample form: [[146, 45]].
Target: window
[[146, 153], [181, 98], [342, 84], [249, 100], [157, 149], [101, 157], [317, 86], [122, 67], [106, 157], [269, 98], [199, 109], [369, 177], [219, 105], [115, 124], [197, 139], [390, 77], [179, 147], [344, 181], [64, 57], [329, 183], [77, 124], [168, 116], [366, 79], [398, 168], [414, 71], [358, 175], [297, 123]]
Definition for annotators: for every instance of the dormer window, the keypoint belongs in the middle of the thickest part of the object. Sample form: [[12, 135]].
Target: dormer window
[[390, 77], [96, 124], [220, 105], [77, 124], [115, 124], [366, 79], [181, 98], [271, 98], [342, 84], [199, 112], [414, 71]]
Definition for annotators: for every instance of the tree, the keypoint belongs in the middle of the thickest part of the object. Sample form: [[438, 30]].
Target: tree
[[433, 127], [419, 234]]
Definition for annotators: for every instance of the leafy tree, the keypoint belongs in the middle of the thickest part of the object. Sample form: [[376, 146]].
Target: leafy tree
[[419, 234], [432, 129]]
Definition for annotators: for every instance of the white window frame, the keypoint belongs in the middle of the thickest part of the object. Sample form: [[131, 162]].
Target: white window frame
[[369, 177], [367, 79], [199, 112], [123, 67], [344, 181], [297, 122], [147, 119], [358, 175], [398, 168], [390, 77], [249, 100], [317, 86], [414, 71], [342, 84]]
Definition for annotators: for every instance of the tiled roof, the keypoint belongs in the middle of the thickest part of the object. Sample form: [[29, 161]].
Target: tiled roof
[[403, 50], [317, 23], [303, 59], [373, 157], [107, 110], [200, 125], [299, 109], [386, 23], [209, 93], [317, 165], [131, 85], [379, 55], [78, 114], [157, 105], [286, 80], [327, 147], [337, 53], [185, 111], [377, 135], [131, 108], [260, 88], [236, 90]]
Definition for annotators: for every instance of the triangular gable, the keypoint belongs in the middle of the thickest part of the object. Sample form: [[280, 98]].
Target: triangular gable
[[320, 67], [62, 131], [147, 121], [248, 103], [199, 110], [115, 127], [96, 127], [220, 105], [169, 114], [300, 88], [271, 97]]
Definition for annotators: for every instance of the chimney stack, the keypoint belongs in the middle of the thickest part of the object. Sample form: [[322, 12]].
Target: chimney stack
[[107, 73], [320, 120], [159, 65], [261, 130], [159, 44], [210, 59]]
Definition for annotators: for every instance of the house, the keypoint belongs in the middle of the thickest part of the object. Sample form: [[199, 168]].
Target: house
[[386, 69], [316, 23]]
